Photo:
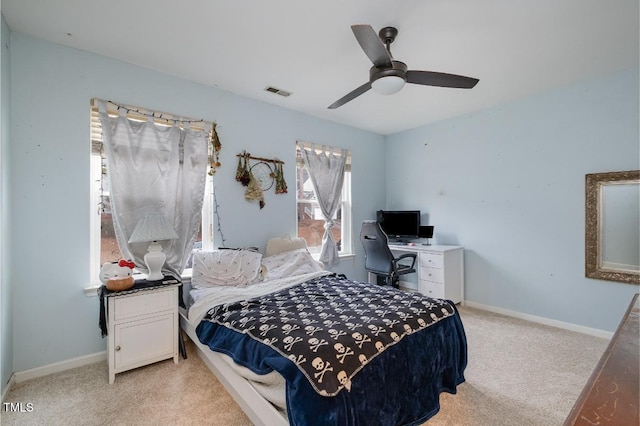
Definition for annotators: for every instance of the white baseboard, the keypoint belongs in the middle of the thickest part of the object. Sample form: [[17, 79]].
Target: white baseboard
[[10, 383], [21, 376], [541, 320], [56, 367]]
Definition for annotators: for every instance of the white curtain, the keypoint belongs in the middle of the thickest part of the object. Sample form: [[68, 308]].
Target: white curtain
[[326, 170], [155, 168]]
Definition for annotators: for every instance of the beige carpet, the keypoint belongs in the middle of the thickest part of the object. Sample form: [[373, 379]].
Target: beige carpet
[[519, 373]]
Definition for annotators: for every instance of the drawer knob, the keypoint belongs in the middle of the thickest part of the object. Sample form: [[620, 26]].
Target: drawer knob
[[117, 348]]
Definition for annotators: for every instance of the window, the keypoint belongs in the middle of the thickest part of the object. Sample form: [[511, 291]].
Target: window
[[310, 219], [104, 246]]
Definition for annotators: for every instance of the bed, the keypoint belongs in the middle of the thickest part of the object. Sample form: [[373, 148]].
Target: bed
[[296, 344]]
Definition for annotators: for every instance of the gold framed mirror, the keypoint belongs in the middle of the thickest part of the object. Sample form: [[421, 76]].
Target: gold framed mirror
[[612, 226]]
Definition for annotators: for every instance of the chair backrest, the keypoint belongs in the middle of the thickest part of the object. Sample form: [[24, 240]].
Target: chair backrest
[[377, 255]]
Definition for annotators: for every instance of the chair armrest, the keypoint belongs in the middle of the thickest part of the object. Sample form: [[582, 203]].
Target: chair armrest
[[405, 256]]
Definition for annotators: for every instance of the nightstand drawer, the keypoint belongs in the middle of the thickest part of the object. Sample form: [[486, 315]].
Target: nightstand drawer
[[143, 303], [432, 274], [431, 260]]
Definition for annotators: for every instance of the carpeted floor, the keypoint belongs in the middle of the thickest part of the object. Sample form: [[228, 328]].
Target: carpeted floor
[[519, 373]]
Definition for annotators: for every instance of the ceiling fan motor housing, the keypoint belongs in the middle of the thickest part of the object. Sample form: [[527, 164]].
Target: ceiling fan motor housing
[[398, 69]]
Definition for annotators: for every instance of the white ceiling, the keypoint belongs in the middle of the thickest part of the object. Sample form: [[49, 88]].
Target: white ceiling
[[515, 47]]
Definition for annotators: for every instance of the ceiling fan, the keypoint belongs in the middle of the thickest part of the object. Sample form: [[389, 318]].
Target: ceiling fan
[[388, 76]]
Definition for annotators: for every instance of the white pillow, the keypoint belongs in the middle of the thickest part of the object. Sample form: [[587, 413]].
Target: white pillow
[[284, 244], [289, 264], [225, 268]]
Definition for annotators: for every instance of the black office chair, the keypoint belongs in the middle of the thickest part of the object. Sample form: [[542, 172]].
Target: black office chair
[[378, 258]]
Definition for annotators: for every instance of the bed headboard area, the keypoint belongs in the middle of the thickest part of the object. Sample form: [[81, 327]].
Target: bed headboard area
[[283, 244], [274, 247]]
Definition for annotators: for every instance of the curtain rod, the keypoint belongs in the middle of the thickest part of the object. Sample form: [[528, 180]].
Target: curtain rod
[[269, 160], [162, 117]]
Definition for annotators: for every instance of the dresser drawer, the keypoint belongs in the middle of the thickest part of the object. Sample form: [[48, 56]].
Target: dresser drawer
[[431, 289], [431, 260], [432, 274], [143, 304]]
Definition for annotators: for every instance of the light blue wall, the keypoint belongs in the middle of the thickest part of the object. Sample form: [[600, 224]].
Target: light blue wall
[[6, 321], [508, 184], [51, 89]]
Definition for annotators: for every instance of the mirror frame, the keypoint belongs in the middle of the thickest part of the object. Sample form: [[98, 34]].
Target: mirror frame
[[593, 221]]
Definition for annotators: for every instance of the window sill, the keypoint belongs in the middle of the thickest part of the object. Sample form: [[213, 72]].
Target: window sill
[[316, 256], [92, 291]]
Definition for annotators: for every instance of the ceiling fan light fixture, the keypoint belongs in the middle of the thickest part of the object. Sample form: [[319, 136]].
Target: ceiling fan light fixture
[[388, 85], [388, 76]]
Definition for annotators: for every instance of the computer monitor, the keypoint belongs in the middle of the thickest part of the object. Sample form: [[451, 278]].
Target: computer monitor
[[400, 224]]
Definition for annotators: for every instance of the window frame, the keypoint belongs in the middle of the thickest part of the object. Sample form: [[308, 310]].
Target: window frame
[[346, 248], [96, 163]]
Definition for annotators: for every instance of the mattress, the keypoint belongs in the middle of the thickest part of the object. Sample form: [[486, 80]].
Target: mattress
[[425, 363], [271, 386]]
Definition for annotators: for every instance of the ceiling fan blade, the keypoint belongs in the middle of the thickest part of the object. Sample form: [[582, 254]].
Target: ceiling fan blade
[[430, 78], [373, 47], [350, 96]]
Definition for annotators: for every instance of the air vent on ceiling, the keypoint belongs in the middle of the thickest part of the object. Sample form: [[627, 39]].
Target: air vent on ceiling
[[277, 91]]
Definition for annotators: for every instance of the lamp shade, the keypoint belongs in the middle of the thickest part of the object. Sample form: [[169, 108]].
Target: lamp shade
[[388, 85], [153, 227]]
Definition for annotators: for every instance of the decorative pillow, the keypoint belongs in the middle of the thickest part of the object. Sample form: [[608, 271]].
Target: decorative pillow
[[225, 268], [289, 264], [284, 244]]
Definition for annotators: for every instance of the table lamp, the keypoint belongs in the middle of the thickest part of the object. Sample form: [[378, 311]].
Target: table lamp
[[152, 228]]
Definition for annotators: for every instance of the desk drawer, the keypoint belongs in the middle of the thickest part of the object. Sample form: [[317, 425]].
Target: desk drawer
[[431, 289], [143, 303], [431, 260], [432, 274]]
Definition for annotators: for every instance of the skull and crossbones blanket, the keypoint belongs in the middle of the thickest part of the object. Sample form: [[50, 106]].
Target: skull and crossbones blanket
[[331, 327]]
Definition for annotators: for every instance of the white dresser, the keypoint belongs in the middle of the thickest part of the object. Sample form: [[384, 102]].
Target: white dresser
[[440, 270], [143, 328]]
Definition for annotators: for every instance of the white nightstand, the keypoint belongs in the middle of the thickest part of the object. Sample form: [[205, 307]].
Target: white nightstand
[[142, 328]]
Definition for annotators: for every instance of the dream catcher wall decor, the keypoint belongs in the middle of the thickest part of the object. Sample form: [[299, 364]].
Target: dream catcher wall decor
[[258, 175]]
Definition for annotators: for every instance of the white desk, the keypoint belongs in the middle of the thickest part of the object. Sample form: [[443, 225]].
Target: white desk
[[440, 270]]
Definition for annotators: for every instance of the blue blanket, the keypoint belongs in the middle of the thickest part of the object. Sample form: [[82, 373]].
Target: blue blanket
[[399, 386]]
